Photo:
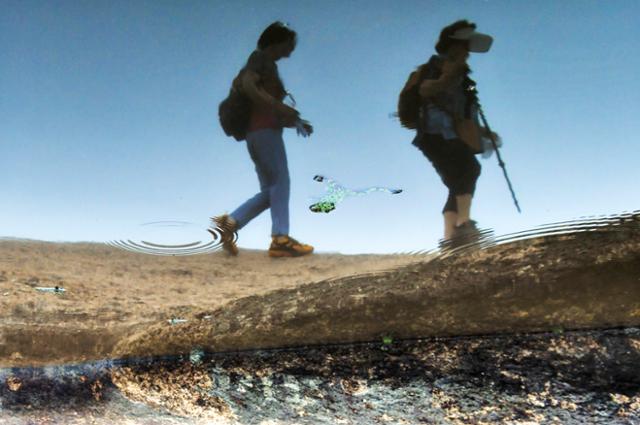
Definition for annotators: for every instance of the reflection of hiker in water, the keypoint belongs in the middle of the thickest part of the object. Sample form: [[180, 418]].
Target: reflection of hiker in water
[[336, 193], [269, 115], [446, 120]]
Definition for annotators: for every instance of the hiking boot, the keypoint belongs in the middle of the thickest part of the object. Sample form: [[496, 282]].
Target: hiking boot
[[227, 227], [467, 228], [285, 246], [464, 234]]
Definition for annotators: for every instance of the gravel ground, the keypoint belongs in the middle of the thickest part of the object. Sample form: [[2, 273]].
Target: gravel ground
[[560, 377]]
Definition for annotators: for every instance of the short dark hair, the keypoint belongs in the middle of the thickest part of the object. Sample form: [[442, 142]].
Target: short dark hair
[[445, 42], [276, 33]]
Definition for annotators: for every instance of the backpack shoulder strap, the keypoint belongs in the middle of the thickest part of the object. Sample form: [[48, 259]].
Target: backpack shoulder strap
[[430, 69], [433, 67]]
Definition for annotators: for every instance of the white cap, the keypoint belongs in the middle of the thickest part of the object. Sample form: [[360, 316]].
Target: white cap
[[478, 42]]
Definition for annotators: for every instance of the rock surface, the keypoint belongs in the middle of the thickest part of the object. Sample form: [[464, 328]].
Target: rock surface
[[111, 293], [543, 330], [577, 281], [569, 378]]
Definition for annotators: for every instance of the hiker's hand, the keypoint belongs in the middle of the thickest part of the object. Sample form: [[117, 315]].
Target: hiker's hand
[[307, 127], [288, 115], [490, 142], [496, 138], [492, 135], [304, 128]]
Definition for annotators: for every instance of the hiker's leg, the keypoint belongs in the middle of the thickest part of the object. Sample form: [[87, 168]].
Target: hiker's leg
[[261, 201], [280, 187], [450, 214], [434, 148], [267, 150], [463, 176], [463, 203], [450, 221]]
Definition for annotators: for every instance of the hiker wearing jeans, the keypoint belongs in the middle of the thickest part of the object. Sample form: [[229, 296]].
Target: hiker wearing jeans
[[261, 83], [448, 109]]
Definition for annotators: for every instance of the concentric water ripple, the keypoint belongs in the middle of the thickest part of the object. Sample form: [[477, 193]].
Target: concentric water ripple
[[485, 237], [207, 240], [173, 238], [625, 222]]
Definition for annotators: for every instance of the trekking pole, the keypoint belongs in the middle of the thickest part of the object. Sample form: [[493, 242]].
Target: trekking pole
[[500, 161]]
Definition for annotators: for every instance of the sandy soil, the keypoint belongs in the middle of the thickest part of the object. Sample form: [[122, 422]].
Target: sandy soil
[[581, 280], [111, 293], [535, 314]]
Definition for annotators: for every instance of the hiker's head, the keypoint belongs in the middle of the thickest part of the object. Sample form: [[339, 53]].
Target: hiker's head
[[278, 39], [460, 38]]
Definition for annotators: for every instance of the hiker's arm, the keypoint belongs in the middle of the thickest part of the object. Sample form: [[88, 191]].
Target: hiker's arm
[[259, 96], [430, 88], [249, 84], [451, 72]]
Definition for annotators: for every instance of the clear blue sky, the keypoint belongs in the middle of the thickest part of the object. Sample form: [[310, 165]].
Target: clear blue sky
[[108, 115]]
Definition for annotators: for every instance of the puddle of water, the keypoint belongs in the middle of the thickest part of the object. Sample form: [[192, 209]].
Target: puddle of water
[[171, 238]]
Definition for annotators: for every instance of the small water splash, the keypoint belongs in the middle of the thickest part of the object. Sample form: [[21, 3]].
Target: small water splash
[[172, 238], [484, 238]]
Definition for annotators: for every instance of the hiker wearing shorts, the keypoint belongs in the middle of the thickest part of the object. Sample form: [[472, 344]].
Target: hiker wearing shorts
[[448, 98], [269, 116]]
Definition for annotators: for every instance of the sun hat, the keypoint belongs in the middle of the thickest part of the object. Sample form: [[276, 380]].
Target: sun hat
[[478, 42]]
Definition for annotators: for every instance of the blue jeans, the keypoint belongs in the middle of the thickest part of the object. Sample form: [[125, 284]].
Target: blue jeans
[[266, 148]]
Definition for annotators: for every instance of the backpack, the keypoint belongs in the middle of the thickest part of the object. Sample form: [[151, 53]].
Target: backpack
[[409, 101], [234, 112]]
